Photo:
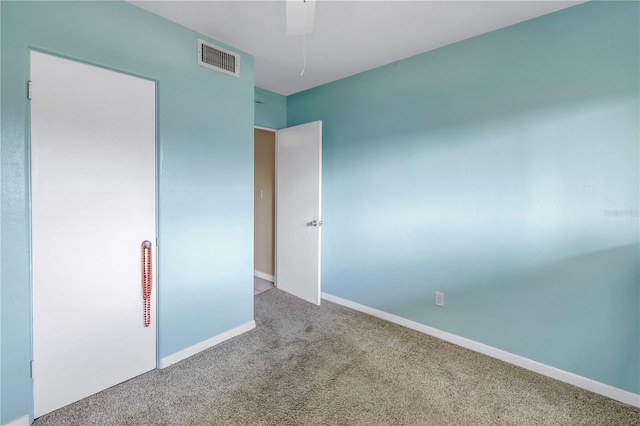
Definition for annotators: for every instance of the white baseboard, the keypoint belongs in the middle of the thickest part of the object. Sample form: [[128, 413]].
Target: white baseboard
[[206, 344], [264, 276], [22, 421], [546, 370]]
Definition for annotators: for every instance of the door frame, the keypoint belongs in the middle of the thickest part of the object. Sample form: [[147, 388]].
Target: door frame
[[29, 171], [275, 204]]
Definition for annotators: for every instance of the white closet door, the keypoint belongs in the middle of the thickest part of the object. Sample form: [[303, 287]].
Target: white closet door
[[298, 207], [93, 204]]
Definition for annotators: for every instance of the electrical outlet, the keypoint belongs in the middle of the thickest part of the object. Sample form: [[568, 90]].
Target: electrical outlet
[[439, 298]]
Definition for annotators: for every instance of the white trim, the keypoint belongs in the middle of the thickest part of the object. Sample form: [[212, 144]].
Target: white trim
[[22, 421], [546, 370], [264, 276], [275, 207], [268, 129], [206, 344]]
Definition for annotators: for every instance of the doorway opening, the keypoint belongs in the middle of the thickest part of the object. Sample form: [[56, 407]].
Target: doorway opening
[[264, 210], [287, 209]]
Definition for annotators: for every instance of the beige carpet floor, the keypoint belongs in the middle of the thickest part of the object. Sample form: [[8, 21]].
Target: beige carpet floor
[[329, 365]]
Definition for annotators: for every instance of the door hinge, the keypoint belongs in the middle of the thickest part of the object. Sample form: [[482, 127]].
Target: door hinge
[[29, 89], [31, 369]]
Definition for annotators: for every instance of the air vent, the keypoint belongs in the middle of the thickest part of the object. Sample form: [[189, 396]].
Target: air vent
[[219, 59]]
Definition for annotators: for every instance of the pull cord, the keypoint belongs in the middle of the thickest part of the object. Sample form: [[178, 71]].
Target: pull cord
[[304, 37]]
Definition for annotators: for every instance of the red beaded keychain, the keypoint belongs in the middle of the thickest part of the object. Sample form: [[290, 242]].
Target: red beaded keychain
[[146, 282]]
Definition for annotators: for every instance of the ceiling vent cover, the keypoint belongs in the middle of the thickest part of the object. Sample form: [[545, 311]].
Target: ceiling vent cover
[[219, 59]]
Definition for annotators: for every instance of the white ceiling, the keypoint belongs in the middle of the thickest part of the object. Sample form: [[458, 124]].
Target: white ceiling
[[348, 37]]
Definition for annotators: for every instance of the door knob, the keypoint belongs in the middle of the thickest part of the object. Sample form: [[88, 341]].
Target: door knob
[[314, 223]]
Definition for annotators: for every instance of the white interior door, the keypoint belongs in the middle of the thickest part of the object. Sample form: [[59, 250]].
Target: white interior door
[[298, 205], [93, 204]]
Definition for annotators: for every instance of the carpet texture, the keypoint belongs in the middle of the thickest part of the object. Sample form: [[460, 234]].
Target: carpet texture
[[330, 365]]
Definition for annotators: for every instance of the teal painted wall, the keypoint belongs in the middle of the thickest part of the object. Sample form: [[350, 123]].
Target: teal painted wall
[[270, 109], [503, 171], [206, 177]]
